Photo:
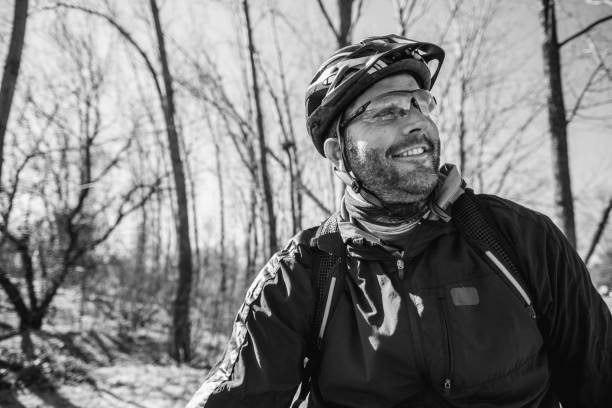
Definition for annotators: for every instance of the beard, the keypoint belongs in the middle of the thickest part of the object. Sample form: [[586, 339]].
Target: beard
[[394, 185]]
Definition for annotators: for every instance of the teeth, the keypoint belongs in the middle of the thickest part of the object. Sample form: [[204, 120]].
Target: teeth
[[412, 152]]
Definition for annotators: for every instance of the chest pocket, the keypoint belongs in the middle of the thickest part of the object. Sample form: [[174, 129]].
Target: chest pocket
[[492, 337]]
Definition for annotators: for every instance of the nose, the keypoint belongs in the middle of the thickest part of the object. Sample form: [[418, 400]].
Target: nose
[[413, 122], [408, 130]]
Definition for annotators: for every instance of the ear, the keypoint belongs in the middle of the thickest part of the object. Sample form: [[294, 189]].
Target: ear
[[331, 147]]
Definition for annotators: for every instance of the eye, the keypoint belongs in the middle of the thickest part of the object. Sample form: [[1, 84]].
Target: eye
[[386, 114]]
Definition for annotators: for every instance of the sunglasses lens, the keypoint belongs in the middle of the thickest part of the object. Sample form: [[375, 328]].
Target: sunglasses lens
[[426, 101]]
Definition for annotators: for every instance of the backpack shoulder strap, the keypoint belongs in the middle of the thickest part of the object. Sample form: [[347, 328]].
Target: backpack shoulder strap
[[477, 224], [329, 266]]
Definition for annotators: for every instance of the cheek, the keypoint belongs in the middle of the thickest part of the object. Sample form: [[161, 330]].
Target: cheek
[[366, 139], [433, 128], [361, 148]]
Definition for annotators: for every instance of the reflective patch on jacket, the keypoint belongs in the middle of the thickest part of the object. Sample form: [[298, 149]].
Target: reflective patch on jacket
[[223, 371], [266, 273], [465, 296]]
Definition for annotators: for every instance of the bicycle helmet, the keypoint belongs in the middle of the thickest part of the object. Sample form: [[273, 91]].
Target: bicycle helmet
[[352, 69]]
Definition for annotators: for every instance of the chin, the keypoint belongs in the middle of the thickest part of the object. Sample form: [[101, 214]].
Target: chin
[[422, 181], [413, 190]]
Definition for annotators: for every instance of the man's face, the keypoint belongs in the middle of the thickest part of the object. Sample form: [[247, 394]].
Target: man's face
[[396, 156]]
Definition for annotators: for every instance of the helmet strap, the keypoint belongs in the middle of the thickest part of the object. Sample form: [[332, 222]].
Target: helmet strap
[[349, 178]]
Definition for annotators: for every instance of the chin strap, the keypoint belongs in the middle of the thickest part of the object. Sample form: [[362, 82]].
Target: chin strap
[[355, 185], [348, 177]]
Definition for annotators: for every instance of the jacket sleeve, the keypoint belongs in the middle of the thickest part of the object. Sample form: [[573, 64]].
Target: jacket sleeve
[[575, 322], [263, 361]]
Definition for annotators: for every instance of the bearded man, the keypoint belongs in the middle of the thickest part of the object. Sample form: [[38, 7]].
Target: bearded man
[[417, 293]]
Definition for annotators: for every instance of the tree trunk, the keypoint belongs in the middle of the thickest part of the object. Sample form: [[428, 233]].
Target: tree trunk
[[222, 296], [180, 339], [27, 347], [403, 11], [345, 11], [253, 246], [462, 125], [196, 230], [11, 70], [343, 34], [557, 120], [32, 322], [293, 156], [270, 217]]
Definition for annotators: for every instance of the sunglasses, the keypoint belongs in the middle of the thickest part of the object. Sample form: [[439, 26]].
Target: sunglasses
[[392, 106]]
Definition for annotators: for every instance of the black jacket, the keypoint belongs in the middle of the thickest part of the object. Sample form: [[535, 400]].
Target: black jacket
[[451, 333]]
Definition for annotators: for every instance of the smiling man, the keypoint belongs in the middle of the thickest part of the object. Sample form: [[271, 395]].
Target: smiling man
[[417, 293], [397, 160]]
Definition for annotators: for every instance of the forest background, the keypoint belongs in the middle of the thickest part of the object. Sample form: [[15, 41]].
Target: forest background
[[153, 155]]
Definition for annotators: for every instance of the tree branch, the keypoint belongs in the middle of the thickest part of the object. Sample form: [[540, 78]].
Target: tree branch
[[11, 195], [11, 70], [13, 294], [357, 13], [70, 257], [301, 185], [126, 35], [583, 93], [111, 164], [328, 19], [598, 233], [9, 335], [585, 30]]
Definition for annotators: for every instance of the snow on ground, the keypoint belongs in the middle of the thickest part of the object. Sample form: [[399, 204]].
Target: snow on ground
[[118, 386], [89, 362]]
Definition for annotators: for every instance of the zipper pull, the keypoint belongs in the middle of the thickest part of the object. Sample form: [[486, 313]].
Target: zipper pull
[[400, 268], [531, 311], [447, 386]]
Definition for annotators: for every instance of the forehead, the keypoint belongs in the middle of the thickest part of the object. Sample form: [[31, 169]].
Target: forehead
[[403, 81]]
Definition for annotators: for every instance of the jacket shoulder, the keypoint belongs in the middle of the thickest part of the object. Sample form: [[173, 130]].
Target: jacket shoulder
[[511, 215], [302, 238]]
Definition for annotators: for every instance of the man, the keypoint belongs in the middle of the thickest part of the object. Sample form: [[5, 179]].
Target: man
[[421, 317]]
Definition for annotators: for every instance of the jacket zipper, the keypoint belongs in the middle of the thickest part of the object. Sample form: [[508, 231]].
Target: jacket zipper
[[413, 320], [447, 383], [400, 268]]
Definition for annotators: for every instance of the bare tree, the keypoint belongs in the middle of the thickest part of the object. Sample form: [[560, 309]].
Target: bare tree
[[557, 121], [288, 131], [73, 220], [605, 214], [179, 348], [343, 31], [557, 115], [404, 11], [180, 341], [11, 70], [270, 217], [237, 125]]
